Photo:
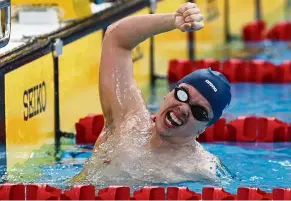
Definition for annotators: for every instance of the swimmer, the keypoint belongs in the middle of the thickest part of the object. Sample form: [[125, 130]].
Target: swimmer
[[134, 148]]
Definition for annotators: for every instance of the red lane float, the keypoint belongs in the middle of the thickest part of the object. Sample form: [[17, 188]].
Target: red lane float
[[89, 128], [234, 70], [42, 192], [242, 129], [149, 193], [87, 192], [258, 71], [211, 193], [271, 130], [280, 32], [283, 72], [79, 192], [216, 132], [12, 192], [182, 193], [281, 194], [214, 64], [115, 193], [249, 193], [248, 129], [261, 71], [288, 135], [178, 68], [254, 31]]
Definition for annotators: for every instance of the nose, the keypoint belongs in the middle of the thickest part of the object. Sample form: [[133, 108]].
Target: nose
[[183, 110]]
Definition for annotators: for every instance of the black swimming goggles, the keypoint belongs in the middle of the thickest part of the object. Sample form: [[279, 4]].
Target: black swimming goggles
[[199, 112]]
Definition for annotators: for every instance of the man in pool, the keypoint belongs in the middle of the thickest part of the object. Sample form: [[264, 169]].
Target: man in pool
[[135, 149]]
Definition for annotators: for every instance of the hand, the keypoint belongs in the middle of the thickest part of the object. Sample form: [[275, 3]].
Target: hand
[[188, 18]]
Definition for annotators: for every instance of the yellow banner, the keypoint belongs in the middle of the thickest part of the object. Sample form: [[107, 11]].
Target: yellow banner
[[79, 76], [29, 107], [72, 8], [213, 33], [272, 12], [171, 45], [243, 12], [78, 80]]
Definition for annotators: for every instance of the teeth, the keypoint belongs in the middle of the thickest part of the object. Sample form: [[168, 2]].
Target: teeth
[[168, 121], [175, 119]]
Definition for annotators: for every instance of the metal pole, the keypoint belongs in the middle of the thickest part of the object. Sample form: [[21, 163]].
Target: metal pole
[[226, 22], [258, 9], [191, 42], [57, 52], [5, 22], [288, 10]]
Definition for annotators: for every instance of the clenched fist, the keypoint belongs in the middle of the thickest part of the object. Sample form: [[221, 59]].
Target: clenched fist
[[188, 18]]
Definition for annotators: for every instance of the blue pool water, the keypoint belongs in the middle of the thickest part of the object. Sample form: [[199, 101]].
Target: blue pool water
[[275, 52], [253, 165], [261, 100]]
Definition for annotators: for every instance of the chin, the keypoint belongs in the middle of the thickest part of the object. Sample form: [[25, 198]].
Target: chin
[[160, 129]]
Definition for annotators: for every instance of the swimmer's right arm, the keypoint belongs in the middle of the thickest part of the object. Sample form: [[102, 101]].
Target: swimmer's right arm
[[118, 91]]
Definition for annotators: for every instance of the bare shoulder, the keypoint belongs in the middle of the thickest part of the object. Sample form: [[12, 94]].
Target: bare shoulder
[[207, 162], [212, 165]]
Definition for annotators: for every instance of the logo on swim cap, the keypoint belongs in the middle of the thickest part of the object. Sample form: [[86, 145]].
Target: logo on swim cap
[[211, 85]]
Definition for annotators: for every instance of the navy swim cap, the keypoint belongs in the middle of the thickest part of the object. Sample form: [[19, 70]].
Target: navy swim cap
[[213, 86]]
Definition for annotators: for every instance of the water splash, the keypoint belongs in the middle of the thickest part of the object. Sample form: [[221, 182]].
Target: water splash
[[126, 159]]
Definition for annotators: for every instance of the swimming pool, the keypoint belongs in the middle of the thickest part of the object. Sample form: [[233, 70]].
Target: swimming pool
[[264, 165]]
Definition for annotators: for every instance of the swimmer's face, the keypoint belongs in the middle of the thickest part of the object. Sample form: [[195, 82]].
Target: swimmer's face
[[175, 118]]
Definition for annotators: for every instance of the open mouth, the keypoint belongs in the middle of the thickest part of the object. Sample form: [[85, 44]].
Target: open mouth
[[172, 120]]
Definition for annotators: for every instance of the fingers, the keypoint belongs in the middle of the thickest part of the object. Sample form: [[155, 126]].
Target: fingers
[[191, 11], [185, 27], [194, 26], [186, 6], [194, 18]]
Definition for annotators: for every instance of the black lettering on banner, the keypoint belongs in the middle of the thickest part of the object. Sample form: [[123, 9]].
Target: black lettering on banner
[[34, 101], [43, 96], [39, 108], [212, 11], [25, 100], [30, 108], [137, 54]]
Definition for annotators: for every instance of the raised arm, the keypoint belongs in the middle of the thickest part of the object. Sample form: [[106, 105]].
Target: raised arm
[[118, 91]]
